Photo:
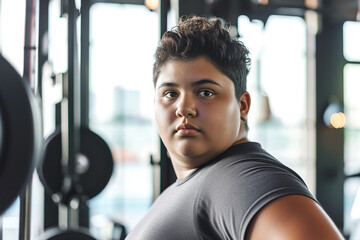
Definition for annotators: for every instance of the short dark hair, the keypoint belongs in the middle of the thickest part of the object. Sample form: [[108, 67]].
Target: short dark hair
[[198, 36]]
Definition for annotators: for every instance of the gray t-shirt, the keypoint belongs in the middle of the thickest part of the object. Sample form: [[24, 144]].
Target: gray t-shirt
[[219, 199]]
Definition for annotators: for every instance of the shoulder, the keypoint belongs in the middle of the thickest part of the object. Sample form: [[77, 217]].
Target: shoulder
[[238, 186], [249, 178], [246, 167], [292, 217]]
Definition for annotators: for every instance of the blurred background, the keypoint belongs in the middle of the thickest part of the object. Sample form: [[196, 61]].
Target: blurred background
[[304, 83]]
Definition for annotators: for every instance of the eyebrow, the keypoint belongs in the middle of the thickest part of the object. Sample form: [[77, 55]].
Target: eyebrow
[[205, 81], [194, 84]]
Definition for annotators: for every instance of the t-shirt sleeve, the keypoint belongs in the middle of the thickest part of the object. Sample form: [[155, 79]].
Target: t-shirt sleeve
[[233, 193]]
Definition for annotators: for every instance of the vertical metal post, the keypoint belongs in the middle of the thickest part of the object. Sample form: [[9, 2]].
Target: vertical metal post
[[28, 75], [84, 67], [42, 52], [164, 6], [25, 213], [311, 19], [1, 227], [84, 88], [51, 214], [71, 123], [0, 28], [73, 120], [30, 43], [329, 141]]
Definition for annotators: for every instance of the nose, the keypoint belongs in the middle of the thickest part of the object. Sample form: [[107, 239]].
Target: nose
[[186, 107]]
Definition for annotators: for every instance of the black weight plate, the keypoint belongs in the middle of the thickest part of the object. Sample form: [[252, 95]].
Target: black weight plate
[[94, 180], [55, 233], [1, 135], [21, 134]]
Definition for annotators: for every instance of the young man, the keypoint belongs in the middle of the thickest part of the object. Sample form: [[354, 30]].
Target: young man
[[227, 187]]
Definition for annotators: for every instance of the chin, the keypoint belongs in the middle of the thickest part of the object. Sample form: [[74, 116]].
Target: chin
[[196, 154], [189, 150]]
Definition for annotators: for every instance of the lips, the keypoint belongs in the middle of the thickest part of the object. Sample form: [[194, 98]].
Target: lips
[[186, 129], [185, 126]]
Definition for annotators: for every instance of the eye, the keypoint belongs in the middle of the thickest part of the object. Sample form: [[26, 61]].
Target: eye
[[205, 93], [170, 94]]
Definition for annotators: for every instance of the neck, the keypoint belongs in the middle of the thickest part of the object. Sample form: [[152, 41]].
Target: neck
[[184, 173], [182, 170], [242, 140]]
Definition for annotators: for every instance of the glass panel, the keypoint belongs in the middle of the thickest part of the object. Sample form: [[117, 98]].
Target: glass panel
[[352, 111], [277, 84], [12, 33], [10, 221], [351, 150], [352, 208], [351, 95], [123, 41], [283, 71], [58, 39], [351, 41]]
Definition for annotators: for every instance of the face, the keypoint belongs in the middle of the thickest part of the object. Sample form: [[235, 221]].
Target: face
[[196, 110]]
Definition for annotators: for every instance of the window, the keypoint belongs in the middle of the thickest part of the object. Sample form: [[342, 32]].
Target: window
[[277, 82], [351, 35], [122, 46], [352, 111], [351, 41]]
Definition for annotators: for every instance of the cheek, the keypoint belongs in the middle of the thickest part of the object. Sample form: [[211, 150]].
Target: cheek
[[235, 117], [225, 120], [162, 118], [159, 118]]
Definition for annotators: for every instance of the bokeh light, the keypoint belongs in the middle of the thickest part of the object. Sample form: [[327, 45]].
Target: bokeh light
[[338, 120], [152, 4]]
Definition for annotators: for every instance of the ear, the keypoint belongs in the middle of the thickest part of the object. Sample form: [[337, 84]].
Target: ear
[[244, 104]]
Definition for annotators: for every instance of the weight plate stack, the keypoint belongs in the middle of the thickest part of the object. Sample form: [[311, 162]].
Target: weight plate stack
[[95, 164], [56, 233], [20, 135]]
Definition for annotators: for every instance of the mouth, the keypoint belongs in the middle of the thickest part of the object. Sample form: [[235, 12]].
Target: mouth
[[186, 129]]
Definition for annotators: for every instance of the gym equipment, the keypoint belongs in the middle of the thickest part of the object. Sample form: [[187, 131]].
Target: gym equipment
[[77, 164], [20, 134], [29, 75], [56, 233], [1, 134], [119, 231], [94, 166]]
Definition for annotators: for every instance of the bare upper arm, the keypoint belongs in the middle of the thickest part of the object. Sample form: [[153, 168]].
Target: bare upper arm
[[292, 217]]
